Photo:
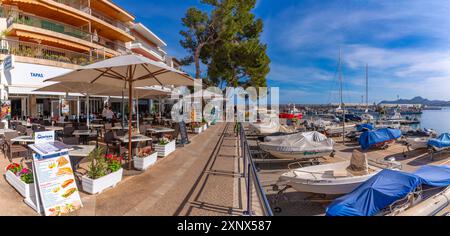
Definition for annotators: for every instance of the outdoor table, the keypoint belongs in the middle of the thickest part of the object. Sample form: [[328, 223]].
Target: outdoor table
[[3, 131], [160, 131], [64, 123], [136, 138], [23, 139], [96, 126], [78, 152], [119, 128], [54, 128], [84, 134]]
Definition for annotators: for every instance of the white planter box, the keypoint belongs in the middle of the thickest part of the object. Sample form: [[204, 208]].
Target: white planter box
[[146, 162], [165, 150], [94, 186], [197, 130], [26, 190]]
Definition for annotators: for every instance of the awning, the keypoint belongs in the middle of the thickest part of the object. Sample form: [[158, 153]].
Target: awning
[[50, 39], [30, 91]]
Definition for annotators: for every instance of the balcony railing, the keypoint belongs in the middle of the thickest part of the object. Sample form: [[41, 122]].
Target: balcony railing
[[110, 20], [39, 22], [150, 48], [41, 51], [83, 5]]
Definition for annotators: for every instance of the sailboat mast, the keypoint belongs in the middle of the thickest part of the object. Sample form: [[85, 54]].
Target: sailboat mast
[[341, 95], [367, 87]]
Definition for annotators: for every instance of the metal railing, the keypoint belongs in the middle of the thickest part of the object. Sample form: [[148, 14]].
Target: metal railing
[[110, 20], [83, 5], [43, 23], [149, 47], [251, 177], [41, 51]]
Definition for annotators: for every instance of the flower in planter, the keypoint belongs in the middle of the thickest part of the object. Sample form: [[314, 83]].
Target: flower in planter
[[164, 141], [145, 152], [114, 162], [14, 167], [25, 174]]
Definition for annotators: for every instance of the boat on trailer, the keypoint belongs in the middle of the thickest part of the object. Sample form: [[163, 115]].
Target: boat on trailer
[[394, 193], [298, 146], [332, 179]]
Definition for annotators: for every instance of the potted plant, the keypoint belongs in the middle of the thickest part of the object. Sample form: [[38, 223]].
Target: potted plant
[[145, 158], [197, 128], [21, 179], [164, 147], [104, 171], [204, 124]]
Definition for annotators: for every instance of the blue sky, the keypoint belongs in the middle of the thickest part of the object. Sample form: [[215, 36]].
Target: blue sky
[[405, 43]]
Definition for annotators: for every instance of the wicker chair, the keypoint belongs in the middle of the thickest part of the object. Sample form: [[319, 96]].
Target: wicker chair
[[11, 148]]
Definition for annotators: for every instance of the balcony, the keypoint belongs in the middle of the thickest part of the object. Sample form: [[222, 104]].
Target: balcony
[[139, 45], [83, 5], [43, 23], [40, 51]]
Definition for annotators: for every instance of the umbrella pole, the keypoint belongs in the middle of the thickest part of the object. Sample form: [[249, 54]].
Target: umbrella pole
[[88, 111], [130, 118], [123, 109], [137, 113], [78, 109]]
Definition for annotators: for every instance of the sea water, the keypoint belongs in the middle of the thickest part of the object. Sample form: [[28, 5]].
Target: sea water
[[438, 120]]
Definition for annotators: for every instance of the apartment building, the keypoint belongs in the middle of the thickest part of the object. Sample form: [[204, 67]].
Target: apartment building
[[45, 38]]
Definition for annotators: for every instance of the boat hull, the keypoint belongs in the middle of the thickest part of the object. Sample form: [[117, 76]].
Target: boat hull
[[298, 155], [314, 179]]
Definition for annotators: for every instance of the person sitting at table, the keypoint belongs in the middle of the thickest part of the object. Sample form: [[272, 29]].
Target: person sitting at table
[[104, 113], [109, 115]]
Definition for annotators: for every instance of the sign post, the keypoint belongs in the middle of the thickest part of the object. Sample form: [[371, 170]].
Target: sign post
[[55, 185]]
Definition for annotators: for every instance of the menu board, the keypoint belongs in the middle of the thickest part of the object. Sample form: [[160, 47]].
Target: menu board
[[183, 133], [56, 183]]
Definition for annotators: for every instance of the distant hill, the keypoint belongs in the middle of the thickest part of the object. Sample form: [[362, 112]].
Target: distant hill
[[418, 100]]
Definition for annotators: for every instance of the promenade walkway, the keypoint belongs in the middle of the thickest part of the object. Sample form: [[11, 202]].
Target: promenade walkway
[[202, 178]]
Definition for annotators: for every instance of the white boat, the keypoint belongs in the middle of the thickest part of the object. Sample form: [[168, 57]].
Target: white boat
[[417, 142], [336, 129], [335, 178], [430, 206], [298, 146], [270, 127]]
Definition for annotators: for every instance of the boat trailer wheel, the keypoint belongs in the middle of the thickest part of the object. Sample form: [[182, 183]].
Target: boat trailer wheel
[[277, 209]]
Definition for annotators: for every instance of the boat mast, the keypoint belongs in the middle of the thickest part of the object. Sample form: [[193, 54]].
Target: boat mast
[[367, 88], [342, 100]]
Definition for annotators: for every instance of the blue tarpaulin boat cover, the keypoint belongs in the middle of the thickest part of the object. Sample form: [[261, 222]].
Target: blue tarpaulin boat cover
[[442, 141], [375, 194], [368, 139], [437, 176], [385, 188], [362, 127]]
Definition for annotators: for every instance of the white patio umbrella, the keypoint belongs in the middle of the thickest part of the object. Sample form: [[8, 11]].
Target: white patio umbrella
[[88, 90], [128, 71]]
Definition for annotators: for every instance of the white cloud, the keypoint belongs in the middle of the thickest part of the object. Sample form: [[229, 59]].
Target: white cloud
[[405, 43]]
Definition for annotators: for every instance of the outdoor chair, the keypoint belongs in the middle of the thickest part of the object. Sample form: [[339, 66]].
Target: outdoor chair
[[21, 129], [71, 140], [83, 127], [68, 131], [143, 129], [111, 143], [2, 144], [11, 148]]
